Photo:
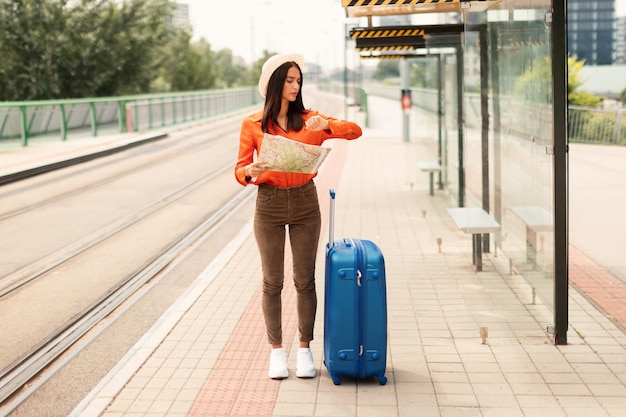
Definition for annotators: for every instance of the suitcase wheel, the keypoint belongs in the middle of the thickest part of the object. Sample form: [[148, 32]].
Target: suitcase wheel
[[336, 379], [381, 379]]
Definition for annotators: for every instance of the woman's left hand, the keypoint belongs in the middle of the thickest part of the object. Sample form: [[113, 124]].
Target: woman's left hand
[[317, 123]]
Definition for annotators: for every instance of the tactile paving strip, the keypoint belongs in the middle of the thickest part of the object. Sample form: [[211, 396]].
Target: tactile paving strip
[[238, 385]]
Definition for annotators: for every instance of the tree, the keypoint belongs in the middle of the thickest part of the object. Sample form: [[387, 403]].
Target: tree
[[535, 83], [255, 72], [30, 46], [60, 49], [387, 68], [230, 74], [418, 73], [186, 66], [139, 32], [574, 81]]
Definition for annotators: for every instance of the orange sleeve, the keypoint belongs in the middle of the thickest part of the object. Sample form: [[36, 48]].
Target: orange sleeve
[[338, 129], [343, 129], [248, 144], [251, 137]]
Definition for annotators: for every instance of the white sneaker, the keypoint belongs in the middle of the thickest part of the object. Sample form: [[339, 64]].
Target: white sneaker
[[278, 364], [305, 366]]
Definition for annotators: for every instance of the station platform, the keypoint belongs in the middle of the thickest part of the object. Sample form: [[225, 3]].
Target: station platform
[[461, 343]]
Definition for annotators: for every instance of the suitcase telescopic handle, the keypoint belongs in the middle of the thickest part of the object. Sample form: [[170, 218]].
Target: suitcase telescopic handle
[[331, 219]]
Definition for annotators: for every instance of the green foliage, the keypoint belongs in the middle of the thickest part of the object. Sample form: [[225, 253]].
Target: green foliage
[[584, 98], [187, 66], [61, 49], [30, 46], [229, 74], [574, 81], [622, 96], [387, 68], [596, 126], [85, 48], [423, 73], [535, 83], [418, 75]]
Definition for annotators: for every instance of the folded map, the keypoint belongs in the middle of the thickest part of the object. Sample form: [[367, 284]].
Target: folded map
[[286, 155]]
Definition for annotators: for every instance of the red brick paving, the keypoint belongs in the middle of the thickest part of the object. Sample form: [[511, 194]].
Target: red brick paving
[[601, 287], [238, 385]]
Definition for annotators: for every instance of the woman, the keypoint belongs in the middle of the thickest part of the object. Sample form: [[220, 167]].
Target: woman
[[286, 200]]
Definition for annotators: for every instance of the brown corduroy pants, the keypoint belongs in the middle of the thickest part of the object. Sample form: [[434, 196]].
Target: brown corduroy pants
[[277, 210]]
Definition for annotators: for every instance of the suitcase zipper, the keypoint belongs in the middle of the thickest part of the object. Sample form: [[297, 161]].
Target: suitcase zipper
[[360, 253]]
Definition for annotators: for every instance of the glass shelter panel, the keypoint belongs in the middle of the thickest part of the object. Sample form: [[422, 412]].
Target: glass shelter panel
[[507, 136]]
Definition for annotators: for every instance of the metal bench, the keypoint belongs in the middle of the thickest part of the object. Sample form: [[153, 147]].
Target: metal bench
[[536, 219], [476, 221], [431, 168]]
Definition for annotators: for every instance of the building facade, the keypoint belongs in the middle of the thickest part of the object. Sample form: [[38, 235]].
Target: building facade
[[591, 30], [181, 15], [620, 41]]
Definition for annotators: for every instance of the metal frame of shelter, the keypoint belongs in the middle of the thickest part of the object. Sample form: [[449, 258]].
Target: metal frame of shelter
[[373, 42]]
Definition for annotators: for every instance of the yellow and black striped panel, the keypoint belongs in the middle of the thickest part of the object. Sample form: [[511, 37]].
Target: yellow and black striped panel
[[394, 56], [395, 32], [386, 32], [388, 48], [358, 3]]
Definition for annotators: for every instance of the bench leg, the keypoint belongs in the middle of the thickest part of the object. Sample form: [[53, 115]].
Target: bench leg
[[474, 250], [477, 251], [432, 183], [531, 246]]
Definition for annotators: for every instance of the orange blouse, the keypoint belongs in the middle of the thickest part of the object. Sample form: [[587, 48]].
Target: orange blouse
[[251, 138]]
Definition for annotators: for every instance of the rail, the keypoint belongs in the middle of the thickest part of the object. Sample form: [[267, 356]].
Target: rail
[[590, 125], [21, 121], [58, 119]]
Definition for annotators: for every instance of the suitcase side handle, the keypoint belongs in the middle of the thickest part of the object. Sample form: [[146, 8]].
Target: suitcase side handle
[[331, 218]]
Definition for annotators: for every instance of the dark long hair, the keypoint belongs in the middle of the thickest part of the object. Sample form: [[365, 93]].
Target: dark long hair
[[274, 97]]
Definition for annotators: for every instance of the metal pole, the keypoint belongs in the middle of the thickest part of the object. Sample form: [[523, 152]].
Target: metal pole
[[345, 71], [484, 113], [497, 126], [459, 120], [406, 113], [440, 117], [559, 126], [406, 86], [24, 124]]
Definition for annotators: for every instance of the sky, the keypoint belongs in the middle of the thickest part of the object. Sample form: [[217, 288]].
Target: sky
[[314, 28], [247, 27]]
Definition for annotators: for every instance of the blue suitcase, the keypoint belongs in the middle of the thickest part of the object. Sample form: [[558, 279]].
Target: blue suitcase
[[355, 308]]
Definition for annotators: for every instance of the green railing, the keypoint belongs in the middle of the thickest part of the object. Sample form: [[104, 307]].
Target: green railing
[[21, 121], [585, 124], [592, 125]]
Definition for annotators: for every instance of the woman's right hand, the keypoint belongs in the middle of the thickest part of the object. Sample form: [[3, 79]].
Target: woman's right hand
[[255, 169]]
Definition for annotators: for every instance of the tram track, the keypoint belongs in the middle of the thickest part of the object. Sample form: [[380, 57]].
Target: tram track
[[28, 273], [52, 307], [15, 378], [174, 147]]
